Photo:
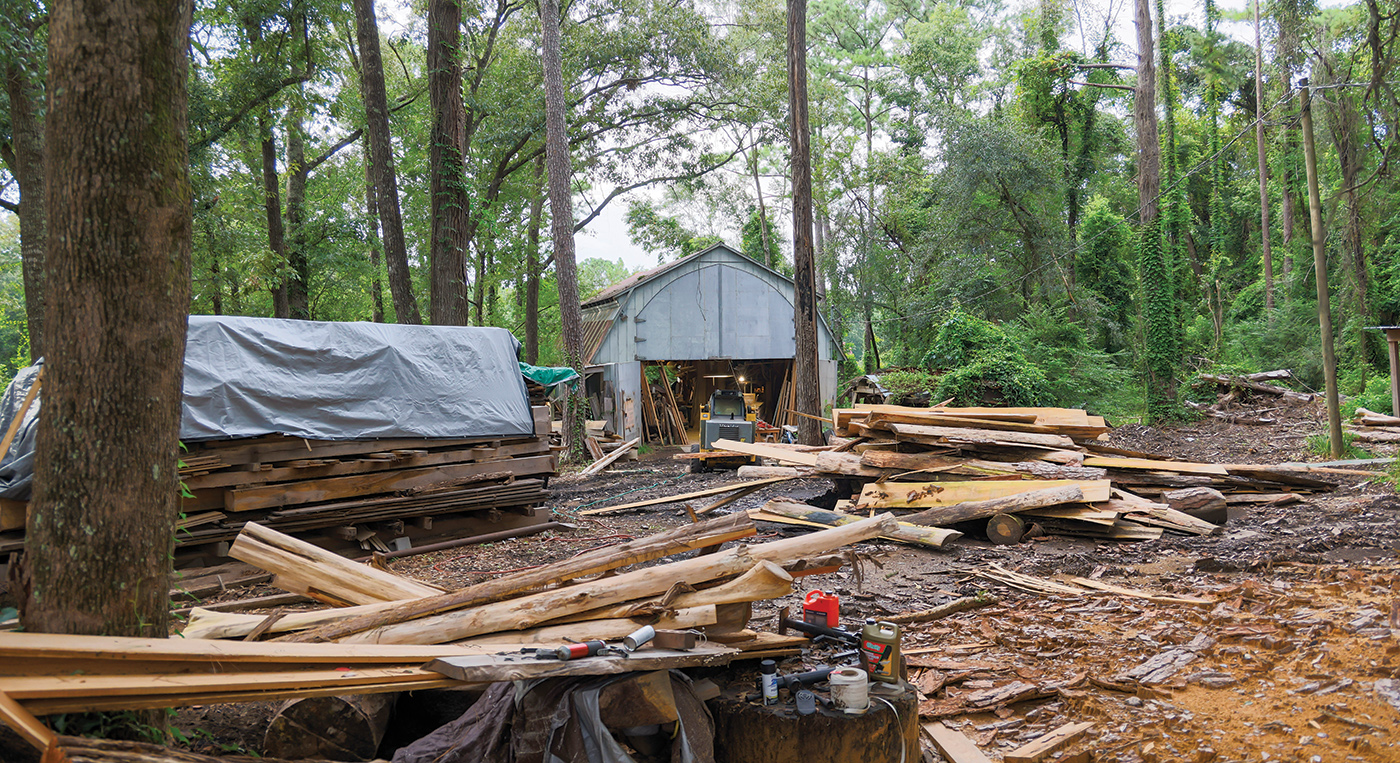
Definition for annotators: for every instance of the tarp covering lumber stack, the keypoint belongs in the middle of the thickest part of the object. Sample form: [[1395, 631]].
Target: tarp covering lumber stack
[[305, 425]]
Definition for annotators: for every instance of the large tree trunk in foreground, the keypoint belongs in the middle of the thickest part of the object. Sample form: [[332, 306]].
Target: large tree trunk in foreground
[[532, 274], [804, 367], [27, 136], [272, 208], [106, 493], [561, 214], [386, 182], [448, 289]]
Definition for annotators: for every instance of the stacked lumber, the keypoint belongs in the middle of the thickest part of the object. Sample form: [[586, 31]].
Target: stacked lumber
[[1369, 426], [1007, 471], [364, 490], [711, 592], [662, 422]]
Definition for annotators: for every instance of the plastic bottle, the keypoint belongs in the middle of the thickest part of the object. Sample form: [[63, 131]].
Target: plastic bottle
[[768, 681], [822, 608], [879, 650]]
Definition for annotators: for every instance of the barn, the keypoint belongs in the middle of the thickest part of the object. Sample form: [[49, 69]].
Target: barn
[[713, 320]]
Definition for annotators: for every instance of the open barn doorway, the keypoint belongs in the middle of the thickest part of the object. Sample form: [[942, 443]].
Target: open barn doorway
[[674, 391]]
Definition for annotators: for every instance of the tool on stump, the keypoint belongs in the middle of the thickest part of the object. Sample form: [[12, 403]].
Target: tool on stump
[[785, 622]]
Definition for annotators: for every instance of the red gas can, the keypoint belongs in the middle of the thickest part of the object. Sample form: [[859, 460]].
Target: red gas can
[[822, 608]]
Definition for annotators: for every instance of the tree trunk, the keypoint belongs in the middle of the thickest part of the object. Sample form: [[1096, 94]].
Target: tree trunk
[[532, 275], [386, 182], [562, 221], [1145, 117], [272, 209], [106, 494], [1266, 252], [804, 367], [448, 289], [299, 267], [27, 134], [376, 287]]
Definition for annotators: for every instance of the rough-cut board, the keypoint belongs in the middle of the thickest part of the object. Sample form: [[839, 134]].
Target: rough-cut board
[[963, 436], [998, 508], [687, 496], [24, 688], [335, 488], [953, 746], [606, 461], [927, 494], [488, 668], [24, 723], [789, 512], [1180, 467], [321, 570], [1041, 747], [769, 452]]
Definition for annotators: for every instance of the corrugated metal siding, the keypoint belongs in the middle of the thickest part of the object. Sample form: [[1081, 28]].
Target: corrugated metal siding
[[717, 305]]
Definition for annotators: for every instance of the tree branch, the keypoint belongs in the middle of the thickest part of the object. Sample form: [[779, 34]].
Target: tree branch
[[1129, 88], [11, 206], [238, 116]]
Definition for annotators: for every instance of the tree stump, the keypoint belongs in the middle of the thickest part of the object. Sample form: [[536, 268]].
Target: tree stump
[[747, 732], [347, 728]]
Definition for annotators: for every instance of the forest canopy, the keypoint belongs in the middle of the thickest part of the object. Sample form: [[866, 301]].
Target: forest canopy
[[978, 175]]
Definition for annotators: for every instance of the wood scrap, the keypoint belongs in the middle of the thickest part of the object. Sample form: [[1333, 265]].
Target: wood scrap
[[953, 746], [787, 511], [605, 461], [1042, 747]]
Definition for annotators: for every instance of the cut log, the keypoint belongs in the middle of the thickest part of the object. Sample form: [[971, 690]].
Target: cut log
[[1268, 389], [969, 510], [1233, 418], [1373, 435], [602, 463], [328, 577], [684, 538], [775, 734], [347, 728], [846, 464], [528, 611], [1373, 419], [1005, 529], [910, 495], [775, 510], [1202, 503], [1264, 376]]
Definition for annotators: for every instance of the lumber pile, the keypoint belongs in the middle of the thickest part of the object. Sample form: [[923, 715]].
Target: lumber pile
[[1369, 426], [360, 490], [662, 421], [1007, 472]]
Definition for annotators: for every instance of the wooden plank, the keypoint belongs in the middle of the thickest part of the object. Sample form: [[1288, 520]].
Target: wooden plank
[[595, 451], [768, 451], [491, 667], [1180, 467], [413, 459], [943, 419], [276, 448], [48, 687], [953, 746], [321, 570], [1040, 748], [16, 647], [13, 514], [81, 704], [374, 483], [24, 723], [725, 501], [1046, 416], [605, 461], [963, 436], [928, 494], [788, 513], [698, 535], [992, 507], [686, 496]]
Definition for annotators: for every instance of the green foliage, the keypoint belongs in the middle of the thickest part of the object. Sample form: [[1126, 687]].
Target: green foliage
[[1077, 373], [983, 364], [1162, 335], [1321, 445], [909, 387], [963, 339], [1104, 267], [1375, 397]]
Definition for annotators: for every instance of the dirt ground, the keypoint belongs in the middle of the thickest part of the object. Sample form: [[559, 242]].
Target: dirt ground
[[1292, 657]]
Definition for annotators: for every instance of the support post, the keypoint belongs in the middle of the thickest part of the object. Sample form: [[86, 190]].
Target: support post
[[1319, 242], [1392, 343]]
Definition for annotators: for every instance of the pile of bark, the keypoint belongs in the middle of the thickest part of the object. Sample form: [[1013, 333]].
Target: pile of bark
[[1250, 399], [368, 491], [1004, 472]]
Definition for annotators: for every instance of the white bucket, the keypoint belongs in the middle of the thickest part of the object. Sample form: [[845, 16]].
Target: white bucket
[[850, 690]]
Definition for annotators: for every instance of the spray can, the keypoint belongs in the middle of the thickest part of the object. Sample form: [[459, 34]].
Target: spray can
[[822, 608], [768, 681], [879, 650]]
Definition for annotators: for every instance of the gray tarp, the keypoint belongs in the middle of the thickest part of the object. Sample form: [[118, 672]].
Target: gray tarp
[[350, 381], [246, 377]]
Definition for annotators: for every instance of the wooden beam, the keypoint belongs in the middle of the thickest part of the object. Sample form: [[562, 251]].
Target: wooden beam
[[769, 452], [24, 723], [606, 461], [687, 496]]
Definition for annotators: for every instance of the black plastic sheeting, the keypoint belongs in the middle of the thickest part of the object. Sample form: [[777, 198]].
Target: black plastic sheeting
[[246, 377]]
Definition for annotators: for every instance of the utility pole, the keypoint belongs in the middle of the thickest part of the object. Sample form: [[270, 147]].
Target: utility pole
[[1265, 251], [1319, 240]]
